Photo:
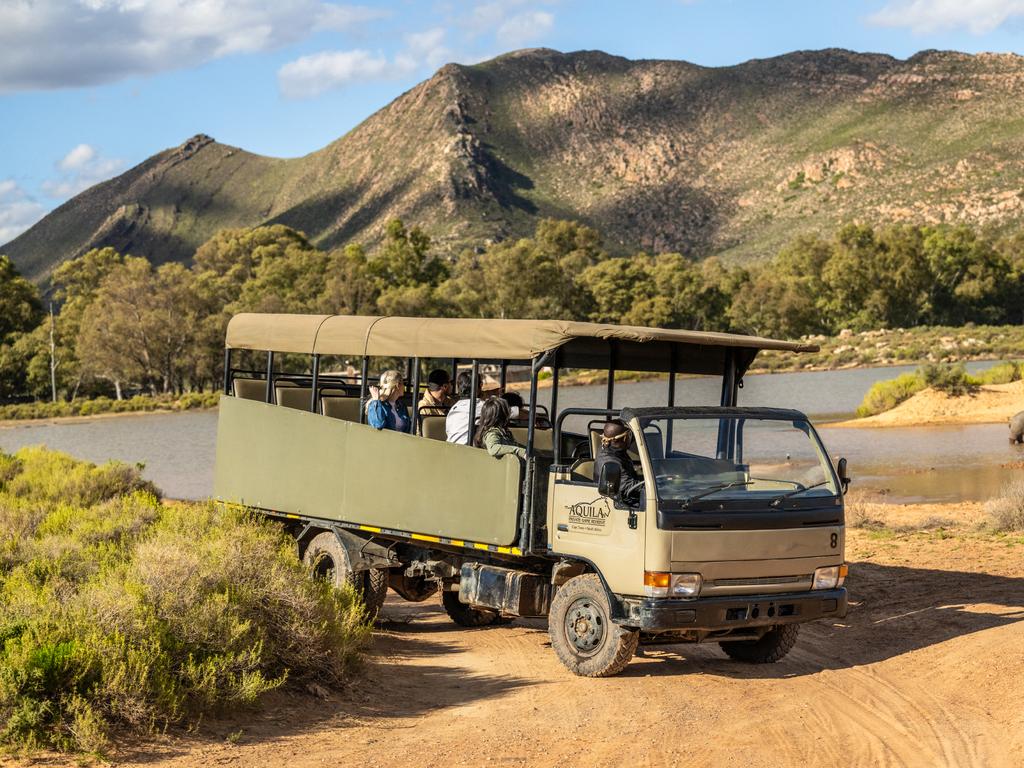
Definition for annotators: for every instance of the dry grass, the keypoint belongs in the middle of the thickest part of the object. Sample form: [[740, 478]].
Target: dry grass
[[1006, 512]]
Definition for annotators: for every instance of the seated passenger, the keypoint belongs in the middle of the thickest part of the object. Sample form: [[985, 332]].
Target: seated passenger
[[615, 441], [493, 433], [438, 398], [517, 408], [383, 411], [457, 422]]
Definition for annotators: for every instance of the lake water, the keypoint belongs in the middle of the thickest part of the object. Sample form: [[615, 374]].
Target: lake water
[[946, 463]]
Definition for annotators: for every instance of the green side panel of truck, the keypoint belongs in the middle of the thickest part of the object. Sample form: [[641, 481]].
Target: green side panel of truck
[[291, 461]]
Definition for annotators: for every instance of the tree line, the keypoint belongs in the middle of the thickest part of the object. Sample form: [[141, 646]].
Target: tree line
[[120, 322]]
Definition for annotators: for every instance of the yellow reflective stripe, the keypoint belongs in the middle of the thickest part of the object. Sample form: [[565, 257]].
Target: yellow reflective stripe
[[370, 528], [458, 542], [422, 537], [289, 514]]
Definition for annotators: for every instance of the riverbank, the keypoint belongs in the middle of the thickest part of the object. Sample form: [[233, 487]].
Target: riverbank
[[991, 404], [87, 408]]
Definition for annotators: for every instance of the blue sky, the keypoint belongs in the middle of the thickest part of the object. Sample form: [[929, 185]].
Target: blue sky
[[89, 88]]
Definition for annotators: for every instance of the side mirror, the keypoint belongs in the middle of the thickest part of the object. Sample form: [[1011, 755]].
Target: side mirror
[[844, 478], [608, 483]]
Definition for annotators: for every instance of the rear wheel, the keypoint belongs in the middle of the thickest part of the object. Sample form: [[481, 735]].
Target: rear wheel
[[465, 615], [775, 644], [327, 559], [582, 632]]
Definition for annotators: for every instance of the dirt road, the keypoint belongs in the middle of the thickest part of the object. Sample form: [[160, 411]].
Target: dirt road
[[927, 670]]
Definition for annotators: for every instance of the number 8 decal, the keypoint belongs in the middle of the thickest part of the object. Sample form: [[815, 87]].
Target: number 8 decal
[[834, 541]]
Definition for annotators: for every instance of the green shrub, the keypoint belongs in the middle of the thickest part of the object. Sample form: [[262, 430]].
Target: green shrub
[[886, 395], [55, 477], [120, 611], [951, 379], [98, 405], [1003, 373]]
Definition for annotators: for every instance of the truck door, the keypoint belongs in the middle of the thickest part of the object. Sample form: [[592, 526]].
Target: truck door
[[584, 523]]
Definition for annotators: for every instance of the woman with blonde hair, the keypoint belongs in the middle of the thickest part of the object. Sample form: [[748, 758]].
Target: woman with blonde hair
[[384, 411]]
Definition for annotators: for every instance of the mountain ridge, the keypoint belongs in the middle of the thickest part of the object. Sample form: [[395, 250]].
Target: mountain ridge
[[656, 154]]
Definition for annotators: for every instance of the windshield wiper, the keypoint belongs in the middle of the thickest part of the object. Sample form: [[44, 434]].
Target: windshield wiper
[[779, 499], [686, 502]]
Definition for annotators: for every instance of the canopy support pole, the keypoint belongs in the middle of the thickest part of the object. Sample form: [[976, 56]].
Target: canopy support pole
[[316, 382], [415, 399], [270, 377], [363, 389], [726, 427], [671, 398], [227, 371], [554, 387], [455, 369], [538, 363], [612, 359], [472, 403], [503, 376]]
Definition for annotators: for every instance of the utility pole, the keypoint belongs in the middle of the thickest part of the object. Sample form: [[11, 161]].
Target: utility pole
[[53, 358]]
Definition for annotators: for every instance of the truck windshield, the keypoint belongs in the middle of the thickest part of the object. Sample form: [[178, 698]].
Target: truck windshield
[[737, 457]]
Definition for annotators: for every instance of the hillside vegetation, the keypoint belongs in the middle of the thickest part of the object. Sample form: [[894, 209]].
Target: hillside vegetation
[[119, 613], [658, 155]]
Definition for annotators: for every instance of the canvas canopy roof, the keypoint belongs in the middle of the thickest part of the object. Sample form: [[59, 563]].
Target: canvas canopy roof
[[580, 344]]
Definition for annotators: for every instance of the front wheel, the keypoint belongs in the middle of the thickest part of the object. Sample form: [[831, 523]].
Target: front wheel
[[327, 559], [582, 632], [772, 647]]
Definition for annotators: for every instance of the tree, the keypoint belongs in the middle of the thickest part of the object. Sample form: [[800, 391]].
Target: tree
[[405, 259], [616, 286], [20, 308], [141, 326], [350, 288]]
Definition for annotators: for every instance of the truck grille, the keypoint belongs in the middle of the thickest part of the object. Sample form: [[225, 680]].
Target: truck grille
[[759, 581]]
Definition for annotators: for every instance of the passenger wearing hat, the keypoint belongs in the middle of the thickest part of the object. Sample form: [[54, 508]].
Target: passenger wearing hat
[[616, 438], [438, 397]]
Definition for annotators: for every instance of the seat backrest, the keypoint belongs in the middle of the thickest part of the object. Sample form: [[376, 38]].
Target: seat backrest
[[433, 427], [583, 469], [294, 397], [250, 389], [543, 439], [344, 408]]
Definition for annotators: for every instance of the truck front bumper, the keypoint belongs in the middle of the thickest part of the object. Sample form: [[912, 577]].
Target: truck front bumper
[[726, 613]]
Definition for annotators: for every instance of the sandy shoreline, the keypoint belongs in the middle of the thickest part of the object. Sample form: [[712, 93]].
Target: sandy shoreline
[[992, 404]]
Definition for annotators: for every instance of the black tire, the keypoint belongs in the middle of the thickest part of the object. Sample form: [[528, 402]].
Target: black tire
[[775, 644], [328, 559], [582, 633], [464, 615], [375, 589]]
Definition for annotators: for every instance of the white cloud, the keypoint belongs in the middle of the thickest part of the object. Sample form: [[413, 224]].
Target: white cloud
[[927, 16], [310, 76], [80, 169], [524, 28], [18, 211], [77, 158], [70, 43]]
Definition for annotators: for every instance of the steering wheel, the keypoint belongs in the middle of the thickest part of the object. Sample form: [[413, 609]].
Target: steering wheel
[[581, 451]]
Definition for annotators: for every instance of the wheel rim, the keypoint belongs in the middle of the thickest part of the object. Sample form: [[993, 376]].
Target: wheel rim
[[323, 567], [585, 626]]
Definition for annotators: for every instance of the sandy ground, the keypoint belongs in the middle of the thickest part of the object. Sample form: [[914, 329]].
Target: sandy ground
[[925, 671], [992, 404]]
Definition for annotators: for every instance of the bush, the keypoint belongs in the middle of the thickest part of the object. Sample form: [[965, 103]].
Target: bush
[[886, 395], [1006, 512], [1003, 373], [98, 405], [119, 611], [951, 379]]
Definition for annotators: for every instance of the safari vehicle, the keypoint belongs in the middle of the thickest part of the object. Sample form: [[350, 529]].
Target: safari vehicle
[[737, 540]]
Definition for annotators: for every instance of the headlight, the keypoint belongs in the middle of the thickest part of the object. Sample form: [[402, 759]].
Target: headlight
[[829, 577], [661, 584], [685, 584]]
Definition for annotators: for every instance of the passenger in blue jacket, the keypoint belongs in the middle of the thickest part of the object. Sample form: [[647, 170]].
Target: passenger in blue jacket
[[383, 411]]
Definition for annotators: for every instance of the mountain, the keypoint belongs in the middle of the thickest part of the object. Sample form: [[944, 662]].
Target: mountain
[[658, 155]]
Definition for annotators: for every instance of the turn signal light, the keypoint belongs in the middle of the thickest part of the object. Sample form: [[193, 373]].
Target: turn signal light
[[656, 583]]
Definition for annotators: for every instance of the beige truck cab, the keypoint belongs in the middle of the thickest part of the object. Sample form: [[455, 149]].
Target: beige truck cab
[[735, 537]]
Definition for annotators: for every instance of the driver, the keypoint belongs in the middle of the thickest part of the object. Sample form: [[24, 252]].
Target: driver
[[615, 441]]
